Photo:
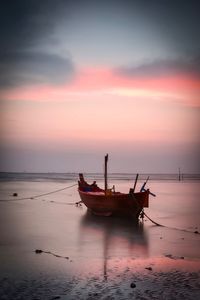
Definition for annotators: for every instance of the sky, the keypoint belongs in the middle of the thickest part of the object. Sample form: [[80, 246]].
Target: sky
[[79, 79]]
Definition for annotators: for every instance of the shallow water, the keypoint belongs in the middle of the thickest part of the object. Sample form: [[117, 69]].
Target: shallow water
[[96, 247]]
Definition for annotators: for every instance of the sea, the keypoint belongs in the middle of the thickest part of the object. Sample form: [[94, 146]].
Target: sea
[[9, 176], [82, 256]]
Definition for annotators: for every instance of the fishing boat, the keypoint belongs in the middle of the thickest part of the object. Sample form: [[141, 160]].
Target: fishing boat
[[107, 202]]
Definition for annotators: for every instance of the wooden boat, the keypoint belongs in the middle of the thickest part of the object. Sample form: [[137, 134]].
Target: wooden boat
[[107, 202]]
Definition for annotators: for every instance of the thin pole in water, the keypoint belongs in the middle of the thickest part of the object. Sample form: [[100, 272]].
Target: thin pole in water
[[106, 172]]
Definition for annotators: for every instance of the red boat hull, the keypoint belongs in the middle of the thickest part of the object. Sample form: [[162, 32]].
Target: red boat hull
[[115, 203]]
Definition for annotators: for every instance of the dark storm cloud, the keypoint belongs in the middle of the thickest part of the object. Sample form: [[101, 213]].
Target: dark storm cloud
[[24, 25], [163, 67]]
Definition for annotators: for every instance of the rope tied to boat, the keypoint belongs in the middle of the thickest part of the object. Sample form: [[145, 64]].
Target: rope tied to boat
[[157, 224], [142, 214], [40, 195]]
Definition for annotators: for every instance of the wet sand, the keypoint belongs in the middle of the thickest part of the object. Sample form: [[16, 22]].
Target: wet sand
[[88, 257]]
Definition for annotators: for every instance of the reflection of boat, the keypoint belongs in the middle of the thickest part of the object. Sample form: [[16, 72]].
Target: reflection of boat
[[116, 236], [107, 202], [116, 228]]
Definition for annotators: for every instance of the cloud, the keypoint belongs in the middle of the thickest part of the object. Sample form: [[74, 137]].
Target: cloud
[[34, 32], [23, 23], [26, 27], [159, 68], [25, 67]]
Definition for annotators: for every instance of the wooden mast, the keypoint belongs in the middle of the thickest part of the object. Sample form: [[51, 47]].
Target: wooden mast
[[136, 179], [105, 173]]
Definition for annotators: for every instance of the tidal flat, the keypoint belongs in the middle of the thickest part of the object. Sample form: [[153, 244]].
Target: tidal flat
[[88, 257]]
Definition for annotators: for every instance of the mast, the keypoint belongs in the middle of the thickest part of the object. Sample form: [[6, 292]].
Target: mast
[[136, 179], [105, 173]]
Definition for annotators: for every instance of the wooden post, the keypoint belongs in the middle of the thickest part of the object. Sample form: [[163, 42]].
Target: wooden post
[[105, 173], [179, 174], [136, 179]]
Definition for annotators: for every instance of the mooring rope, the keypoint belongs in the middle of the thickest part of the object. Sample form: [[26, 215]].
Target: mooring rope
[[40, 195], [175, 228], [157, 224]]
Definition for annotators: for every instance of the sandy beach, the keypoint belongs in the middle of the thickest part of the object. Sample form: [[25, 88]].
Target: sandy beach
[[88, 257]]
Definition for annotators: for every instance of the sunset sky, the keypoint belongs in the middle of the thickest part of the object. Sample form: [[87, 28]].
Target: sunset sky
[[79, 79]]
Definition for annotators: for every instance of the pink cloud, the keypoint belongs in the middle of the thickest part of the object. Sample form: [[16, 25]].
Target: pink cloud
[[183, 88]]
